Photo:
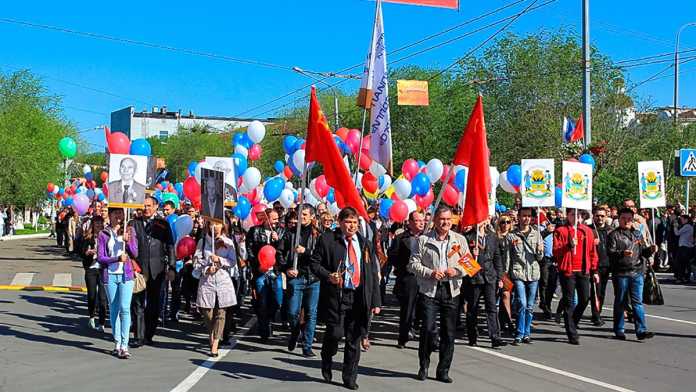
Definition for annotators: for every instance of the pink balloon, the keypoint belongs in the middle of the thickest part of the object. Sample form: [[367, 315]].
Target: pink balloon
[[353, 140], [367, 140], [409, 169], [451, 195], [365, 161], [321, 186], [425, 201], [255, 152], [118, 143], [398, 211]]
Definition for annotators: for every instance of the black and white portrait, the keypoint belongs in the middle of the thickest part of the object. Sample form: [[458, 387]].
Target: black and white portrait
[[225, 165], [212, 199], [127, 177], [150, 182]]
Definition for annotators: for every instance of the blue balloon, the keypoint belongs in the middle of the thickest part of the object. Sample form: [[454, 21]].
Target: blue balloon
[[298, 145], [460, 180], [421, 184], [240, 164], [61, 191], [68, 202], [82, 189], [157, 195], [172, 220], [279, 166], [384, 207], [179, 189], [192, 168], [272, 188], [243, 208], [90, 193], [559, 197], [514, 175], [101, 197], [588, 159], [289, 143], [331, 196], [89, 176], [421, 164], [141, 147], [380, 182], [245, 141], [345, 148]]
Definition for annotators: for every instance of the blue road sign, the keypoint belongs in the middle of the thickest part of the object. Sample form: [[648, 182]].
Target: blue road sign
[[687, 162]]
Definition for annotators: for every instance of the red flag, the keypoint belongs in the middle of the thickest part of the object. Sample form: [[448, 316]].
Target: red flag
[[473, 153], [579, 132], [321, 147]]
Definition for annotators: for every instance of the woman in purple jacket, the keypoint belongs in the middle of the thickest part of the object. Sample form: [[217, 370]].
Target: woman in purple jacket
[[116, 248]]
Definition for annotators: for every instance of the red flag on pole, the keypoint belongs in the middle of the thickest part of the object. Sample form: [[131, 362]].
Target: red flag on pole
[[473, 153], [321, 147]]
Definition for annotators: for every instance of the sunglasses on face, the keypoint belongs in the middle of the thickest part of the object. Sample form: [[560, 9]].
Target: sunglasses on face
[[505, 222]]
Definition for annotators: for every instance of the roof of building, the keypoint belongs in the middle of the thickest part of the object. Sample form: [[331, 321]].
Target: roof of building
[[163, 113]]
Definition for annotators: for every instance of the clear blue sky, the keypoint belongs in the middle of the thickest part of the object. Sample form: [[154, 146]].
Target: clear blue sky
[[315, 35]]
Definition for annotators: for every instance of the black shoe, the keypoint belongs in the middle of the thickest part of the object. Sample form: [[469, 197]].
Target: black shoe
[[308, 354], [574, 341], [225, 342], [400, 346], [292, 342], [645, 335], [498, 343], [516, 342], [134, 344], [620, 337], [351, 385], [444, 378], [546, 316], [598, 323], [557, 319], [527, 340], [422, 374], [149, 342], [326, 373], [472, 343]]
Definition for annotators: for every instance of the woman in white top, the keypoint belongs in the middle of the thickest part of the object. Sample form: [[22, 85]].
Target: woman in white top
[[215, 289]]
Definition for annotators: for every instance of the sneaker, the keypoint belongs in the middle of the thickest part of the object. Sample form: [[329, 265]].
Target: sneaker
[[516, 342], [527, 340]]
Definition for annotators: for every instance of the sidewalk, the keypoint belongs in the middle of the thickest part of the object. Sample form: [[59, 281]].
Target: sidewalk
[[24, 236]]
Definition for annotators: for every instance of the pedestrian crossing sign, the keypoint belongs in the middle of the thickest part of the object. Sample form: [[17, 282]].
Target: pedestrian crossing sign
[[687, 162]]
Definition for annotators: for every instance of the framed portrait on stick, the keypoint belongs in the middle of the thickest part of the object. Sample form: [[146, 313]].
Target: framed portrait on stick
[[226, 165], [127, 178], [212, 195]]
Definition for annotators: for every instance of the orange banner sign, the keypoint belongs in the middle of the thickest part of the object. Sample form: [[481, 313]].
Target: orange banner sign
[[412, 92], [452, 4], [470, 265]]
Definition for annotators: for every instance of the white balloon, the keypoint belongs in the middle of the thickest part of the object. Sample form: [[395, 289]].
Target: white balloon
[[201, 165], [313, 189], [434, 170], [507, 187], [309, 198], [97, 191], [287, 197], [86, 169], [298, 159], [402, 188], [386, 184], [333, 209], [241, 150], [289, 185], [256, 131], [377, 169], [56, 188], [359, 185], [411, 204], [251, 178], [494, 178]]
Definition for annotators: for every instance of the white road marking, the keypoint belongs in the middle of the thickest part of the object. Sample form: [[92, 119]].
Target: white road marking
[[22, 279], [193, 378], [661, 317], [62, 280], [553, 370]]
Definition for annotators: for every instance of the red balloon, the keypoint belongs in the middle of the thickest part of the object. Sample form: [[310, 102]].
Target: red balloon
[[191, 189], [321, 186], [342, 133], [287, 172], [409, 169], [185, 247], [425, 201], [394, 196], [365, 161], [369, 182], [451, 195], [398, 211], [367, 140], [267, 258], [49, 187], [104, 176], [105, 190], [118, 143], [255, 152]]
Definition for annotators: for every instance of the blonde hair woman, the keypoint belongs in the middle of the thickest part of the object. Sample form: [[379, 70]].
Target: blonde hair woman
[[503, 227]]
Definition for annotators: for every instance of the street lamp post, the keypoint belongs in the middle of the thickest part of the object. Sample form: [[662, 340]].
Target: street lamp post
[[333, 89], [676, 71]]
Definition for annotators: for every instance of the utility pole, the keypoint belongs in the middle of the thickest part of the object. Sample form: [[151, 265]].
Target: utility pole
[[676, 72], [586, 93]]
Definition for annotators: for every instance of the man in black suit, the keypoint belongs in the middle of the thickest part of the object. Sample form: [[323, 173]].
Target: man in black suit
[[347, 266], [155, 253]]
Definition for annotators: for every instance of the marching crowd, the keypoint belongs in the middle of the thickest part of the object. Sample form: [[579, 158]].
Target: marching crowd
[[338, 275]]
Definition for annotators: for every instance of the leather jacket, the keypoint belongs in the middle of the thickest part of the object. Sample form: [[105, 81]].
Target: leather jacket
[[256, 239], [308, 240]]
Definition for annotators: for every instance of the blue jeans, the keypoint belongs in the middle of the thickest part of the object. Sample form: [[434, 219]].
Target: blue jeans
[[269, 298], [525, 295], [303, 295], [633, 286], [120, 293]]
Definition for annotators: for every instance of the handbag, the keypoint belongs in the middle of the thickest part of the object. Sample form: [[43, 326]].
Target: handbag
[[139, 282], [507, 283], [652, 292]]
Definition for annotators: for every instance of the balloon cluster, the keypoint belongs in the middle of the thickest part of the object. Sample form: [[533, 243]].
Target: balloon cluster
[[79, 193]]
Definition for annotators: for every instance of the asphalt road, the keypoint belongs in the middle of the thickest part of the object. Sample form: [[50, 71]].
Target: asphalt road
[[45, 346]]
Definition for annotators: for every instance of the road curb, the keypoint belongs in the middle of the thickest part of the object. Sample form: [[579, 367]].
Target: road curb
[[24, 236], [58, 289]]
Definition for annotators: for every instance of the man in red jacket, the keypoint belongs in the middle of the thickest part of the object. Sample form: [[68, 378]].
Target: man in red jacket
[[576, 255]]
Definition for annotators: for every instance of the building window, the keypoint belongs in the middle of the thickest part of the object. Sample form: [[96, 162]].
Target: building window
[[163, 134]]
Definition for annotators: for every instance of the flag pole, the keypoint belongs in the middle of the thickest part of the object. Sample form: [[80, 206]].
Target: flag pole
[[362, 136], [303, 180]]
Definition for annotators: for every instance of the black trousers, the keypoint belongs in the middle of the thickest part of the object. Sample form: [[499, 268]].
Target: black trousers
[[573, 313], [177, 286], [547, 281], [472, 294], [683, 265], [600, 290], [96, 294], [406, 288], [146, 308], [351, 325], [444, 305], [231, 311]]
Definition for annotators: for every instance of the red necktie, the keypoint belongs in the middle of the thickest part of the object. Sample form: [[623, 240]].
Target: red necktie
[[353, 259]]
